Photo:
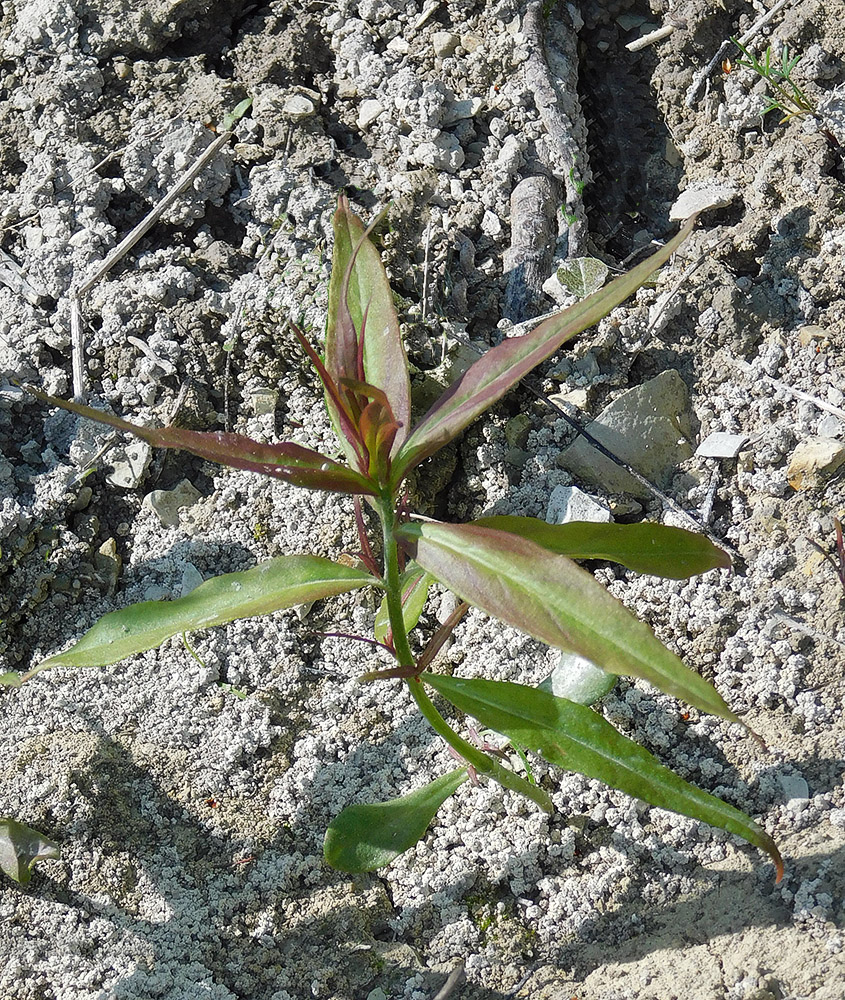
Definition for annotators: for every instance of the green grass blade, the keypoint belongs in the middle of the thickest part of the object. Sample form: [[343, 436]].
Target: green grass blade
[[579, 739]]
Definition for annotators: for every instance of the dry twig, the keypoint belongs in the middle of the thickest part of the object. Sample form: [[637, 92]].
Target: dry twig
[[120, 251]]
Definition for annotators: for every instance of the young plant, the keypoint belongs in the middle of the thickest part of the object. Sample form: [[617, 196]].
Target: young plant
[[785, 94], [520, 570]]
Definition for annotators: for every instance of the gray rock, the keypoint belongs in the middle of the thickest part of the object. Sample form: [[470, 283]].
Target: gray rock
[[648, 427], [830, 426], [794, 787], [191, 577], [444, 153], [263, 400], [130, 464], [517, 430], [444, 43], [368, 112], [568, 503], [168, 503]]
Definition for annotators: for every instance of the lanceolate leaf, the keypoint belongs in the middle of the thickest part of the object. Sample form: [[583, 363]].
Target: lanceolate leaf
[[368, 836], [579, 739], [485, 382], [21, 847], [367, 310], [290, 462], [552, 599], [273, 585], [658, 549]]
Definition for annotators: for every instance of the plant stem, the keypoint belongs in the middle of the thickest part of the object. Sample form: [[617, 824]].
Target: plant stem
[[393, 593], [482, 762], [387, 515]]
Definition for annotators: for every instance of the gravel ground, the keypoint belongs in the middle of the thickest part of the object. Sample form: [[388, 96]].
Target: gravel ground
[[190, 818]]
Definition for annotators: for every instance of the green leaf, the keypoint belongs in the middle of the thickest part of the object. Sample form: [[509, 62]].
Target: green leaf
[[657, 549], [361, 305], [552, 599], [234, 116], [290, 462], [364, 837], [583, 275], [21, 847], [278, 583], [579, 739], [413, 584], [499, 370]]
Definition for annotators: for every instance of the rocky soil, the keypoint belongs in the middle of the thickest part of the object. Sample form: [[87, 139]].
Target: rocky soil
[[190, 794]]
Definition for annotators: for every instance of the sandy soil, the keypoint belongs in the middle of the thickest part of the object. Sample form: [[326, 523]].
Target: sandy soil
[[190, 796]]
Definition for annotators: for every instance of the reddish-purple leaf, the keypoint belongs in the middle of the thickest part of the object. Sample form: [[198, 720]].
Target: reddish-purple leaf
[[378, 432], [338, 405], [290, 462], [499, 370], [361, 306], [551, 598]]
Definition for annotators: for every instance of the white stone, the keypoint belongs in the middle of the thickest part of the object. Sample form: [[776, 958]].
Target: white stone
[[129, 466], [578, 679], [444, 43], [368, 112], [168, 503], [460, 110], [298, 107], [444, 153], [720, 444], [491, 224], [700, 197]]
